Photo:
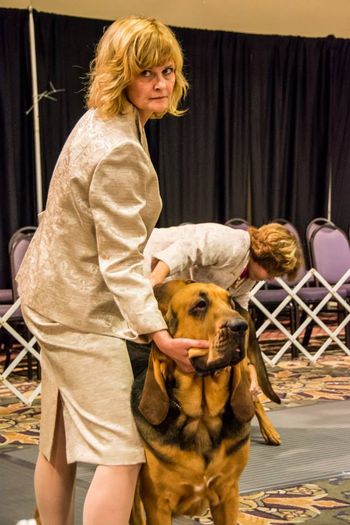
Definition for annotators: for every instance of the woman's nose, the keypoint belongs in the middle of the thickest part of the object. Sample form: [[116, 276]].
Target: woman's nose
[[160, 82]]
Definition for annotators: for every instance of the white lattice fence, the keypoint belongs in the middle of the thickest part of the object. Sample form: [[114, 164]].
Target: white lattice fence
[[27, 346], [271, 317], [311, 315]]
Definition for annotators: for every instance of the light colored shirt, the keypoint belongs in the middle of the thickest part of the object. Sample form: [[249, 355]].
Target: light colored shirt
[[207, 252]]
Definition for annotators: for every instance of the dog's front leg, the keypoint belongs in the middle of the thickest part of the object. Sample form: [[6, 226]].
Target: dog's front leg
[[156, 513], [226, 512]]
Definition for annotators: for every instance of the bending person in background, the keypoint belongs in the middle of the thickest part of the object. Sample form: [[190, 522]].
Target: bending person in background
[[81, 282], [231, 258]]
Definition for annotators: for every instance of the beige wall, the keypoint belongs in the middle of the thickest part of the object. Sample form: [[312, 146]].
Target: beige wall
[[284, 17]]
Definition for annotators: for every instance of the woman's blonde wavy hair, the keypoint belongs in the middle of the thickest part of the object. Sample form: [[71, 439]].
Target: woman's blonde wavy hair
[[276, 250], [129, 46]]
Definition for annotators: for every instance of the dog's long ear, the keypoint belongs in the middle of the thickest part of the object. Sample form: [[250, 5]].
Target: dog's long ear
[[163, 292], [241, 398], [255, 357], [154, 401]]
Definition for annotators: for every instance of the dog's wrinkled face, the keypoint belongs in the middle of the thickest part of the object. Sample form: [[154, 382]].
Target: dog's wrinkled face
[[206, 311]]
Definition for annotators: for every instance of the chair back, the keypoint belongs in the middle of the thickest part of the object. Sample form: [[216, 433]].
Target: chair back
[[330, 252], [237, 223], [310, 228], [18, 246]]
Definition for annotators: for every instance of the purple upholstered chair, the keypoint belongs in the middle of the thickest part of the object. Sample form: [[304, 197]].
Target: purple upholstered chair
[[6, 295], [330, 256], [18, 245], [237, 223], [311, 294], [330, 253], [310, 228]]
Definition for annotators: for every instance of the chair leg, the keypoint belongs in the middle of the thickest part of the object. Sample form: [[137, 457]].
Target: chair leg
[[347, 335], [347, 330], [38, 370], [294, 317], [308, 330], [7, 348], [30, 365], [26, 335]]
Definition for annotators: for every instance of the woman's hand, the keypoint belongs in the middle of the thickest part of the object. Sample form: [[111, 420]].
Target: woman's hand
[[177, 348]]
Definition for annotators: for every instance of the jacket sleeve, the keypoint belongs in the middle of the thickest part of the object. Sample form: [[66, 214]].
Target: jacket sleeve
[[242, 294], [205, 245], [124, 209], [242, 299]]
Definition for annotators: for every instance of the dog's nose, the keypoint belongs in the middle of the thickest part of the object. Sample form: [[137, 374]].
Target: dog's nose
[[237, 325]]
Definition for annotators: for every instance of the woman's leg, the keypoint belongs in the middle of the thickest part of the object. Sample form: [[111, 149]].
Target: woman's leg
[[110, 496], [54, 480]]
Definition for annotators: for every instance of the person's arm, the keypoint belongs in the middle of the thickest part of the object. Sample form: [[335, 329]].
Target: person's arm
[[201, 245], [118, 203], [119, 197], [159, 273]]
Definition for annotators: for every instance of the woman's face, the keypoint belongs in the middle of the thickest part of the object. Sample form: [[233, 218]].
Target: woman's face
[[151, 90], [257, 273]]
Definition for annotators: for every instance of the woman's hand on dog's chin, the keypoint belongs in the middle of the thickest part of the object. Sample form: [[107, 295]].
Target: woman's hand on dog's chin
[[177, 348]]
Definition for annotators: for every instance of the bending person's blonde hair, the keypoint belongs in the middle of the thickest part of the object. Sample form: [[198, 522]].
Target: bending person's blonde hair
[[276, 249], [129, 46]]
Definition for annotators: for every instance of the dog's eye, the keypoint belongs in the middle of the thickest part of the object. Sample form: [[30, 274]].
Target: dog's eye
[[200, 305]]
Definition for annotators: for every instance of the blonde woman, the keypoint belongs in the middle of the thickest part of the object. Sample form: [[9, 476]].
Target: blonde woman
[[82, 284]]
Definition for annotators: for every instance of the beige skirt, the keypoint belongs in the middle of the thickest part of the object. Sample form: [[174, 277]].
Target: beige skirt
[[93, 376]]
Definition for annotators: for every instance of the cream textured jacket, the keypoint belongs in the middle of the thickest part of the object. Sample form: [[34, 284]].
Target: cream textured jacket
[[207, 252], [84, 266]]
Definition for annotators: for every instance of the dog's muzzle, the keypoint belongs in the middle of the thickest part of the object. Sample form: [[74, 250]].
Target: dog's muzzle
[[227, 348]]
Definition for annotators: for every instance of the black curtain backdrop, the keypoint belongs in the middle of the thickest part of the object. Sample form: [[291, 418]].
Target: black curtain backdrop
[[65, 46], [267, 126], [255, 142], [340, 134], [186, 156], [17, 184], [289, 131]]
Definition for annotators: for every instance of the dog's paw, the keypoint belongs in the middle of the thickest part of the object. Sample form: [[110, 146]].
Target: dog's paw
[[271, 437]]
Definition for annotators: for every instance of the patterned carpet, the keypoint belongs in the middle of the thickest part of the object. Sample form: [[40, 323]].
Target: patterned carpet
[[323, 502], [301, 382]]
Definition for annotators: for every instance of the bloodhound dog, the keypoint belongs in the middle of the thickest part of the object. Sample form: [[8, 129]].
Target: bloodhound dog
[[196, 427]]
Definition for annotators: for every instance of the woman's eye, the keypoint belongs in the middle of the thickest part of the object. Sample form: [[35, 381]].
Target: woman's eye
[[146, 73], [168, 71]]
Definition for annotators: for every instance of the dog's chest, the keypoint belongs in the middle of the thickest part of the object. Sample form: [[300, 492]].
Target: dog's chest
[[202, 403]]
